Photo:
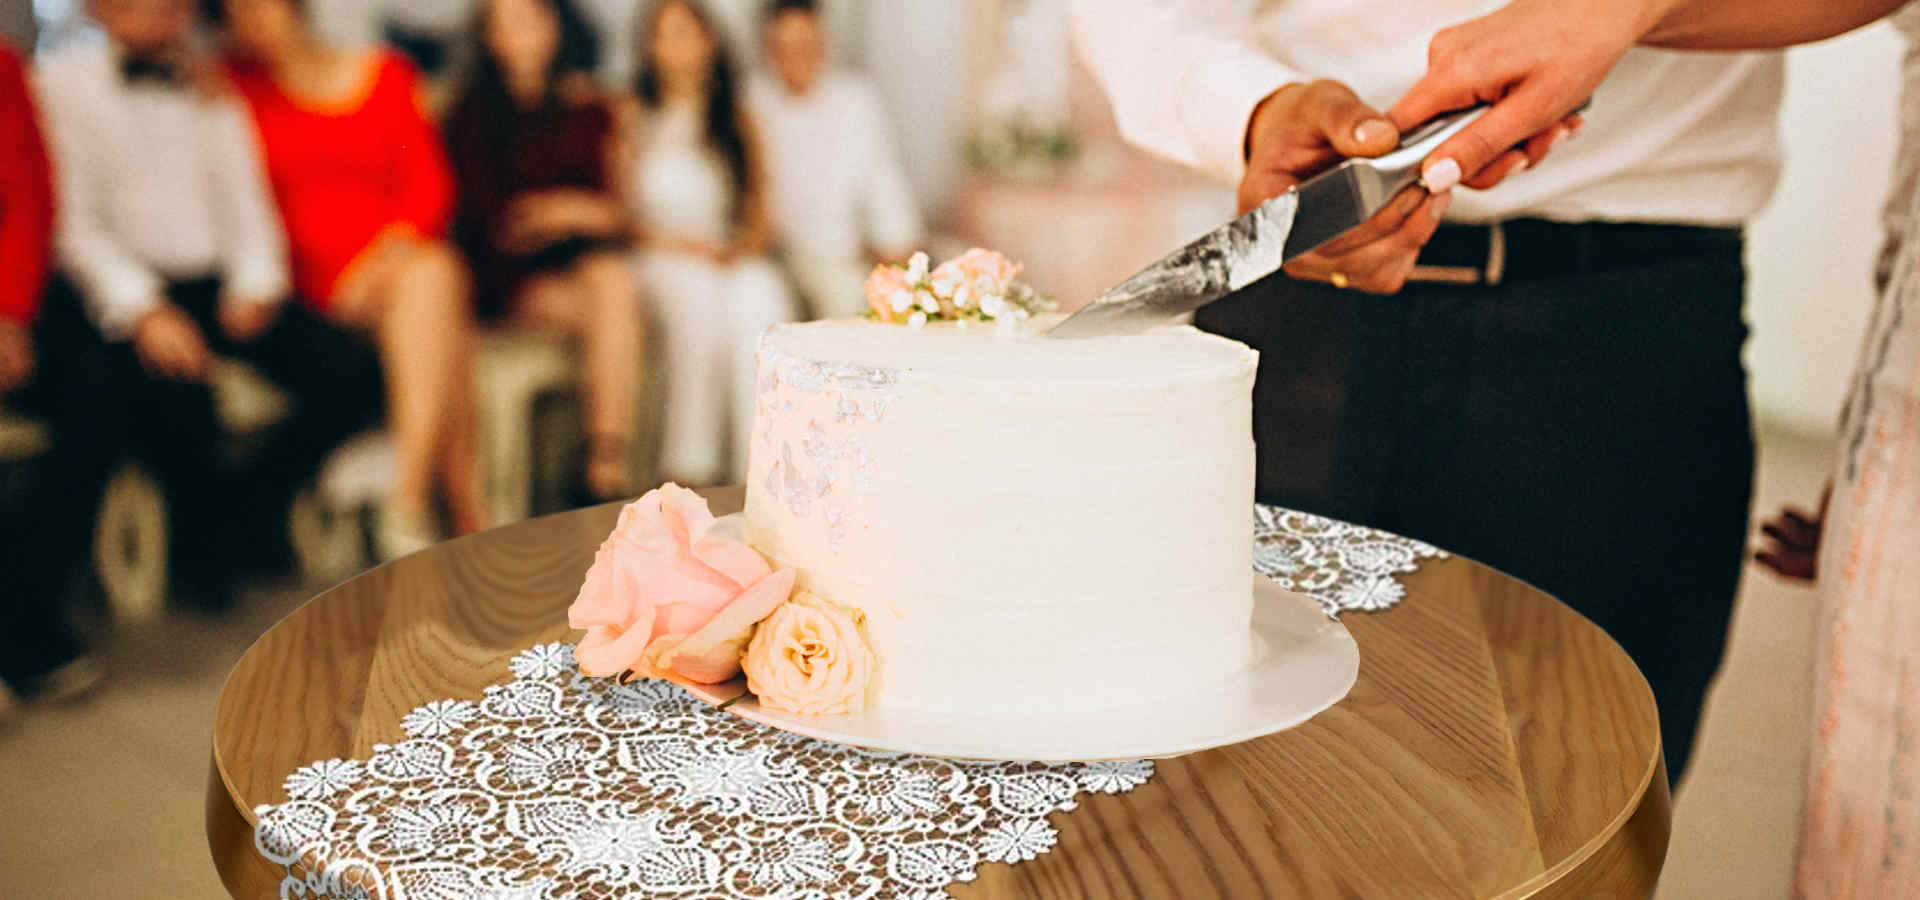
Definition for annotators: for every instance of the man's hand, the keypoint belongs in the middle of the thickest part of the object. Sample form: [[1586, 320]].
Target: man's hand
[[1535, 61], [244, 318], [1792, 544], [16, 355], [170, 345], [1302, 129]]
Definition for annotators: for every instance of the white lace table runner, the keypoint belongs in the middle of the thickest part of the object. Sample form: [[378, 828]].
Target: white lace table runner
[[555, 785]]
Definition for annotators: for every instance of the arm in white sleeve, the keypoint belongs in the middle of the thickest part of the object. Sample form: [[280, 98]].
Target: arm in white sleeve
[[1181, 78], [892, 220], [118, 287], [253, 247]]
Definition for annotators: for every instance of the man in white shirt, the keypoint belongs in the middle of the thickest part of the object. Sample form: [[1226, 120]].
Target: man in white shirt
[[167, 232], [1544, 375], [840, 199]]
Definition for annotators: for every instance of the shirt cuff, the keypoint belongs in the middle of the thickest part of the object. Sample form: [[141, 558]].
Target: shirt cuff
[[1225, 89], [257, 283], [120, 300]]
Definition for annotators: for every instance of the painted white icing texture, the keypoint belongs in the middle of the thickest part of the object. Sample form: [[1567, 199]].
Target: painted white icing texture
[[1024, 521]]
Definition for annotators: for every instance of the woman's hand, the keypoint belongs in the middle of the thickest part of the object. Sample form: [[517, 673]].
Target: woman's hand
[[717, 253], [542, 217], [16, 355], [1535, 61], [1791, 547]]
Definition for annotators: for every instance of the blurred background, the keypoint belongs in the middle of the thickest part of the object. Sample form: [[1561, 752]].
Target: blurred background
[[984, 130]]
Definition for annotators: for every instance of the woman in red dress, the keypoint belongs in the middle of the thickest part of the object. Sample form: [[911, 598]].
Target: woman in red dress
[[537, 154], [366, 195]]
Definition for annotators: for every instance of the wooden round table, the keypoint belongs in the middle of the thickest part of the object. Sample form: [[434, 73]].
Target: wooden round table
[[1496, 745]]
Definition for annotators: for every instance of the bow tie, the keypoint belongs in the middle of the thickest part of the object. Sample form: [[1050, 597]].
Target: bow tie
[[135, 69]]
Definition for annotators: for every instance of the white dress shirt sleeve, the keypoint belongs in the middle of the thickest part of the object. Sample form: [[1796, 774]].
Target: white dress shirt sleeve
[[117, 286], [1181, 79], [252, 245], [892, 219]]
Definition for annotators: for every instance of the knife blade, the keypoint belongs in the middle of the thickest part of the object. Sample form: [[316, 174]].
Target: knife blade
[[1258, 243]]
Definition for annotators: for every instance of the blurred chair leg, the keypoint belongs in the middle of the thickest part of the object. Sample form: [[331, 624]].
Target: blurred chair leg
[[130, 545], [514, 369]]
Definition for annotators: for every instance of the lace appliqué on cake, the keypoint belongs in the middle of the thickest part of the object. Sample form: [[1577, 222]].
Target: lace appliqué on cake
[[1342, 566], [815, 480], [554, 785]]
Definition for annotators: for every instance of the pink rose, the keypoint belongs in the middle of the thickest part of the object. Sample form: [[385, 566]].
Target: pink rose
[[977, 265], [809, 658], [882, 284], [667, 598]]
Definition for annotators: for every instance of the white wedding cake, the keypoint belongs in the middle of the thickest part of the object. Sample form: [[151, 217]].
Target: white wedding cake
[[1021, 521]]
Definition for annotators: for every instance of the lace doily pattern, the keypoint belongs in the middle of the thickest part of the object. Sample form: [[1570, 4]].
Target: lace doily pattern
[[555, 785], [1342, 566]]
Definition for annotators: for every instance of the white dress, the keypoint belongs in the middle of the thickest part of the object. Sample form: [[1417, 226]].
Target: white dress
[[711, 315], [1862, 821]]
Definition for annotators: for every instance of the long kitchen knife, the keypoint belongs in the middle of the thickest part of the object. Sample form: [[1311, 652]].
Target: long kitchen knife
[[1257, 244]]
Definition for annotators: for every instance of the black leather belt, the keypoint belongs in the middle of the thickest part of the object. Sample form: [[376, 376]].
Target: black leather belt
[[1524, 249]]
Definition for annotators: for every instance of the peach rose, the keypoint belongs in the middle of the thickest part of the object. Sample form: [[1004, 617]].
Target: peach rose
[[670, 597], [809, 658], [882, 285], [976, 266]]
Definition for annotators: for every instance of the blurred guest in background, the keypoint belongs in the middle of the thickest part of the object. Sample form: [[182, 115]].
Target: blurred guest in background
[[701, 191], [168, 231], [51, 366], [541, 164], [427, 31], [365, 196], [840, 199]]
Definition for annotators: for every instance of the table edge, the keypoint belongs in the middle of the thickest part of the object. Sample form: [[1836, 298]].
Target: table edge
[[1543, 884]]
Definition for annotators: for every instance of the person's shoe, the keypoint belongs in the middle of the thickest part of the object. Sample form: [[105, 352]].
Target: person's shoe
[[10, 708], [401, 532], [71, 682], [203, 597]]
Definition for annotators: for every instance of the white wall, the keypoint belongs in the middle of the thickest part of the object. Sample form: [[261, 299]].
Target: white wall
[[1811, 253], [920, 68]]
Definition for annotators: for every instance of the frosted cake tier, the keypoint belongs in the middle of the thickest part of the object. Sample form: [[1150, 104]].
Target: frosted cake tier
[[1023, 521]]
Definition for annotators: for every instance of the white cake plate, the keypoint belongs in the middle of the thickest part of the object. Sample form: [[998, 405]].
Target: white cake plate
[[1305, 663]]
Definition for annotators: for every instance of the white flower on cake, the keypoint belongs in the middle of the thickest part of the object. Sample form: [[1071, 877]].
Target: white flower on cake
[[976, 285], [810, 658]]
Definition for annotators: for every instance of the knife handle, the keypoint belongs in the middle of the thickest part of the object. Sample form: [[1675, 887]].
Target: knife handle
[[1414, 147], [1422, 140]]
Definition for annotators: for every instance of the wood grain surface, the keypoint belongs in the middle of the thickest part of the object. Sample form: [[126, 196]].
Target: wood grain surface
[[1496, 744]]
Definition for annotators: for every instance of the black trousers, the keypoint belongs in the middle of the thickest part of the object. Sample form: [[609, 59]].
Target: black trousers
[[46, 533], [1585, 429], [225, 509]]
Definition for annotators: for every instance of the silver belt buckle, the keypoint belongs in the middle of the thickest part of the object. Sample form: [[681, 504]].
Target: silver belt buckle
[[1487, 275]]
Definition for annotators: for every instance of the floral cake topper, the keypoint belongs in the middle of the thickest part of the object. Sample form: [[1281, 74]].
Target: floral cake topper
[[978, 285]]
